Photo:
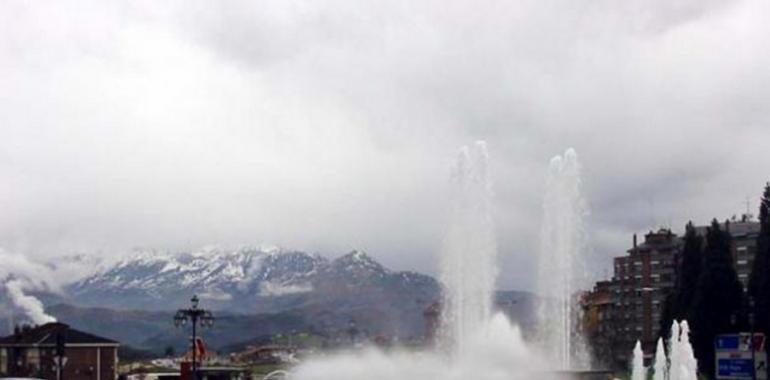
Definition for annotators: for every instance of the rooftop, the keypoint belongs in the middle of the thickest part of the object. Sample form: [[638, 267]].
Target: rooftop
[[46, 335]]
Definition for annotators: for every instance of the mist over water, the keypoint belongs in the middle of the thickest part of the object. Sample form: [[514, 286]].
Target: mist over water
[[497, 351]]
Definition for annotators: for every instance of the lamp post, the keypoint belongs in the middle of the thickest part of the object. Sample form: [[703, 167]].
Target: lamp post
[[195, 315]]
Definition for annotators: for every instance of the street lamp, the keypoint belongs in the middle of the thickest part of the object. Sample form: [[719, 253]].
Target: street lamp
[[195, 315]]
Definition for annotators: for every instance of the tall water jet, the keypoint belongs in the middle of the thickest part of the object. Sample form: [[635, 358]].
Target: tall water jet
[[661, 364], [637, 365], [688, 365], [673, 352], [561, 271], [468, 258]]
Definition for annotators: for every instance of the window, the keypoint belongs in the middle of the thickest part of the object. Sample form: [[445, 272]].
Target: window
[[33, 357], [3, 361], [742, 262]]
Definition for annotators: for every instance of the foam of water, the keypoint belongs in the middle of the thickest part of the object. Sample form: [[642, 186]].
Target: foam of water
[[495, 352], [561, 261]]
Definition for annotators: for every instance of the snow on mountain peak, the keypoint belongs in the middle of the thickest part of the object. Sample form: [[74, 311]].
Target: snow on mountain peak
[[232, 275]]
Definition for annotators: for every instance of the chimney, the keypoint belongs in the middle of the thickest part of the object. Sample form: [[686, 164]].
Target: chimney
[[634, 241]]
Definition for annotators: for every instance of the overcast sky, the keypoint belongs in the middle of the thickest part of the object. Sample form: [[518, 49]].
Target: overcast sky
[[328, 125]]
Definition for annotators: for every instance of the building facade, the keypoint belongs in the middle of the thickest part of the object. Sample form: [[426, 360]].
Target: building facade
[[641, 281], [743, 246], [31, 352], [597, 323]]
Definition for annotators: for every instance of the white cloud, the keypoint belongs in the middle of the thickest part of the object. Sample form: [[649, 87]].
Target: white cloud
[[329, 125]]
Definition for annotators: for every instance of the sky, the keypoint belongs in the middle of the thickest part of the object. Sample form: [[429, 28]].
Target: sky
[[331, 125]]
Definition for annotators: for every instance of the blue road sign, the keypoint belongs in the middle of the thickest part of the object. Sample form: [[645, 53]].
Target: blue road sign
[[728, 342], [734, 367]]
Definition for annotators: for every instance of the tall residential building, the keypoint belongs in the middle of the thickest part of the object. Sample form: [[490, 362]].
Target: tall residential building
[[641, 282]]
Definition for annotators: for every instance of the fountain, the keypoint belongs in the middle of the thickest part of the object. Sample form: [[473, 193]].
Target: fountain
[[681, 363], [661, 364], [468, 259], [637, 365], [688, 366], [474, 342], [560, 267], [673, 352]]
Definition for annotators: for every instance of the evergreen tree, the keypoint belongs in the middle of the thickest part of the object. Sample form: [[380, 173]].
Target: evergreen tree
[[759, 283], [717, 298], [679, 303], [690, 272]]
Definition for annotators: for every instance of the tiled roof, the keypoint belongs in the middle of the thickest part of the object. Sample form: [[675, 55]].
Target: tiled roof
[[46, 335]]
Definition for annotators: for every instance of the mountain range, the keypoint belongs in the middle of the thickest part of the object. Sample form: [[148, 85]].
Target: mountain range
[[254, 292], [248, 280]]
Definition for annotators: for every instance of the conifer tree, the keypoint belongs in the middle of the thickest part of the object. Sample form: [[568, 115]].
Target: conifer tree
[[692, 263], [718, 296], [759, 284], [679, 303]]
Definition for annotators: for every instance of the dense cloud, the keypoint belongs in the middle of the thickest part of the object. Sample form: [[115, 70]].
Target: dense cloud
[[329, 125]]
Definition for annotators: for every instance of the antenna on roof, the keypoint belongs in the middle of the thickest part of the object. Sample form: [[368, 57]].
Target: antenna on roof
[[747, 216]]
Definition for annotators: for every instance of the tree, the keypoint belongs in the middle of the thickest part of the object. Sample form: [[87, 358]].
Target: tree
[[759, 283], [679, 303], [718, 296]]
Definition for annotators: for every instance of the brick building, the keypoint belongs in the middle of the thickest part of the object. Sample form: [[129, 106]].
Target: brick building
[[30, 352], [597, 320], [641, 281]]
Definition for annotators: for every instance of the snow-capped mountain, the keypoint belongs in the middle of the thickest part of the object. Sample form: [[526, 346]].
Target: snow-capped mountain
[[248, 279]]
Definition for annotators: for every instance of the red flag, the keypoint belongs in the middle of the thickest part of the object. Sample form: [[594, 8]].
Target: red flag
[[200, 348]]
